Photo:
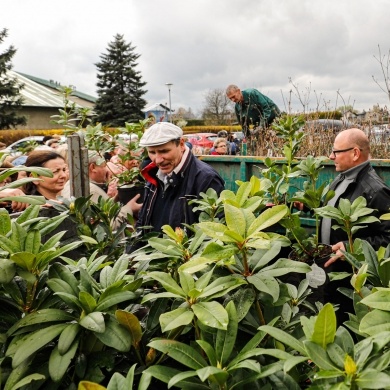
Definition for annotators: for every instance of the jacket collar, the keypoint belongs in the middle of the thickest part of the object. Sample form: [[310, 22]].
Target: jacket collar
[[151, 172]]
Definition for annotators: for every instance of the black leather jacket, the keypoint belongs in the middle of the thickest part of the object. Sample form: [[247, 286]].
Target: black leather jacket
[[369, 185]]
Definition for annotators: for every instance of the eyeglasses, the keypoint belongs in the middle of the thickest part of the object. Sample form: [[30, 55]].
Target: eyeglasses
[[341, 151]]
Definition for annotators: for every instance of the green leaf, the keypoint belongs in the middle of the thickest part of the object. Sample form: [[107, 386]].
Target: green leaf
[[226, 339], [262, 257], [221, 286], [165, 246], [34, 342], [204, 280], [63, 273], [243, 300], [40, 317], [379, 363], [266, 284], [58, 252], [179, 378], [372, 379], [344, 340], [319, 356], [32, 242], [25, 260], [67, 337], [212, 314], [115, 336], [117, 382], [59, 363], [164, 374], [87, 301], [7, 270], [113, 299], [18, 235], [336, 355], [150, 297], [175, 318], [167, 282], [53, 241], [291, 362], [248, 364], [284, 266], [208, 349], [27, 380], [235, 219], [94, 322], [378, 300], [5, 222], [284, 338], [243, 193], [7, 245], [58, 286], [219, 375], [120, 268], [180, 352], [214, 230], [196, 264], [30, 199], [325, 326], [218, 252], [375, 322], [30, 213], [187, 282], [268, 218]]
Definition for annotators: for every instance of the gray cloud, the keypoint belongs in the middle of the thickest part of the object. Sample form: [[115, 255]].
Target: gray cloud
[[200, 45]]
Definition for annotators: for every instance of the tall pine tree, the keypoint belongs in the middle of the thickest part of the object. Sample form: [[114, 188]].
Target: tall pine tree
[[10, 99], [119, 85]]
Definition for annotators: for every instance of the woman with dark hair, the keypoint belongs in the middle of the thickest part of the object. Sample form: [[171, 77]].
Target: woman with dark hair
[[49, 187]]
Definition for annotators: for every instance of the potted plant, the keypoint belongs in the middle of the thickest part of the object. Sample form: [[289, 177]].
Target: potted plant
[[307, 247], [126, 156], [129, 179]]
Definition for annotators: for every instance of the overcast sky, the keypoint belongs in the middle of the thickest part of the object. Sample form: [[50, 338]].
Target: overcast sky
[[327, 46]]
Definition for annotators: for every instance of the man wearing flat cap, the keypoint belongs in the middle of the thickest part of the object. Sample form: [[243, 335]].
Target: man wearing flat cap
[[174, 177]]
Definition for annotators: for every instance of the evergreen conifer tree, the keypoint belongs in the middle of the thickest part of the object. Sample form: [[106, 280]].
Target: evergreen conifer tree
[[10, 99], [119, 85]]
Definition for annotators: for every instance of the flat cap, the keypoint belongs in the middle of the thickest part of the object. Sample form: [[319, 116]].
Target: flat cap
[[160, 133]]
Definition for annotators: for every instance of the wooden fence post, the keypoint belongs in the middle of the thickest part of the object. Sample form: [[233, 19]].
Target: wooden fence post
[[78, 166]]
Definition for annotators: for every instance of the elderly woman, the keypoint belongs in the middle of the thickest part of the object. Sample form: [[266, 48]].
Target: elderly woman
[[220, 147]]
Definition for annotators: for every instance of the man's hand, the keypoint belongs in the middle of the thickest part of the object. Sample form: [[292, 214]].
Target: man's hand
[[135, 207], [338, 254]]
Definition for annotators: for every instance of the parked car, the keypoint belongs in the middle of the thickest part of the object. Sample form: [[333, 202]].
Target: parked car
[[203, 140], [381, 134], [15, 148], [239, 135]]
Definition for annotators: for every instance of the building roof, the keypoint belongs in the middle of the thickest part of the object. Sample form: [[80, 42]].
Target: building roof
[[156, 107], [55, 85], [45, 93]]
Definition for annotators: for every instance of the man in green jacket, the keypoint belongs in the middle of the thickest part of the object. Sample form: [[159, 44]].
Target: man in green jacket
[[253, 109]]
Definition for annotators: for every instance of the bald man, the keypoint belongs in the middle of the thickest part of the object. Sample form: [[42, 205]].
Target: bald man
[[351, 156]]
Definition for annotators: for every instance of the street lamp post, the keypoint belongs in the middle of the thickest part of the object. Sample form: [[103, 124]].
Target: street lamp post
[[169, 85]]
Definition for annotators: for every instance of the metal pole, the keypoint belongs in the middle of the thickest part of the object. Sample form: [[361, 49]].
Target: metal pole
[[169, 96]]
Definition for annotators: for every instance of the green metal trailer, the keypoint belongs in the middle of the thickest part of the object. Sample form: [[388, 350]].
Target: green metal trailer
[[233, 168]]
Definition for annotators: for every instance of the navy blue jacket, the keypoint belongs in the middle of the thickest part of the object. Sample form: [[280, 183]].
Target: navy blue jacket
[[170, 207]]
